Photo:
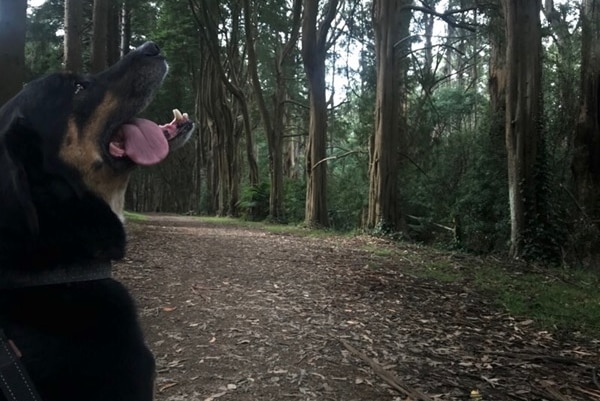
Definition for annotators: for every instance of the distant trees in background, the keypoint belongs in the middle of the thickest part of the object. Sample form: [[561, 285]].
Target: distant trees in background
[[466, 123]]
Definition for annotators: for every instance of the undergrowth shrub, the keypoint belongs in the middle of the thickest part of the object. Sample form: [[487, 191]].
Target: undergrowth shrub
[[254, 201]]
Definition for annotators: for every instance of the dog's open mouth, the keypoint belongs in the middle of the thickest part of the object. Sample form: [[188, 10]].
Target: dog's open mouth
[[147, 143]]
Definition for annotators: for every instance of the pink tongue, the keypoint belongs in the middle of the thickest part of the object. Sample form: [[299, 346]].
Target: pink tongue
[[145, 143]]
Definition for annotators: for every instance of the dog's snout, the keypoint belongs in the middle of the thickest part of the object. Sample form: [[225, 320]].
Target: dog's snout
[[149, 49]]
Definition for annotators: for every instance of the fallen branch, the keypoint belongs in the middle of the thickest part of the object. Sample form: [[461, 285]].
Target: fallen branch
[[387, 376], [538, 357], [590, 392]]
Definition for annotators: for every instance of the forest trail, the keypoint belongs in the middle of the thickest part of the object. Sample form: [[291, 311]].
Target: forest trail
[[236, 313]]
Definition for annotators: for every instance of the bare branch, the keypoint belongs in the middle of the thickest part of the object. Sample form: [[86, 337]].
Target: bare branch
[[447, 16], [352, 152]]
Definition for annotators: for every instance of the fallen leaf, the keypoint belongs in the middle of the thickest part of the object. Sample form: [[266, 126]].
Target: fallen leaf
[[212, 397]]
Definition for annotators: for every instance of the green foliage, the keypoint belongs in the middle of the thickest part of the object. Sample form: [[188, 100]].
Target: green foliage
[[557, 299], [454, 175], [254, 201], [482, 209], [44, 45], [295, 196], [547, 230]]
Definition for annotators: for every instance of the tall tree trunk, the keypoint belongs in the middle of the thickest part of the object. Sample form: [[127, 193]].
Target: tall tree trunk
[[391, 22], [113, 37], [274, 123], [314, 52], [586, 152], [497, 79], [99, 35], [73, 30], [13, 16], [523, 117], [125, 27]]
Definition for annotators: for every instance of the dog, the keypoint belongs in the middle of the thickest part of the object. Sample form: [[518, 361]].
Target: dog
[[68, 144]]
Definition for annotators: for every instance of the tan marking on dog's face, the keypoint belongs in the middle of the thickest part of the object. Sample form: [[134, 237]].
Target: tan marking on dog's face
[[80, 149]]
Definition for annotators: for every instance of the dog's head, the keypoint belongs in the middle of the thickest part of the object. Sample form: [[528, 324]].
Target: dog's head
[[68, 143]]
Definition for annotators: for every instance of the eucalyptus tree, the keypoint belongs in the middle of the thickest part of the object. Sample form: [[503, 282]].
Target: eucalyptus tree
[[223, 98], [586, 153], [273, 117], [497, 74], [73, 56], [523, 119], [391, 21], [12, 47], [125, 25], [315, 44], [100, 30]]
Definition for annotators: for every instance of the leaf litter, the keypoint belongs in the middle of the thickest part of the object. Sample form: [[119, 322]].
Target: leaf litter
[[236, 313]]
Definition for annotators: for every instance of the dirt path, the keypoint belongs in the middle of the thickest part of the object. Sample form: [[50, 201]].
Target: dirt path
[[239, 314]]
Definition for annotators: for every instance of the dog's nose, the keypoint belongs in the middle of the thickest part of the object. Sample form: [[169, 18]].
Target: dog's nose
[[149, 49]]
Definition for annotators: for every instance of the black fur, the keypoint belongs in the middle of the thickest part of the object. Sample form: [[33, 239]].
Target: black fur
[[80, 341]]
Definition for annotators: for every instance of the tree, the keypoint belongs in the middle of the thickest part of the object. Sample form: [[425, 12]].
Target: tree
[[13, 16], [274, 119], [314, 53], [125, 27], [73, 30], [113, 35], [497, 76], [586, 142], [523, 119], [586, 155], [224, 100], [391, 21], [99, 36]]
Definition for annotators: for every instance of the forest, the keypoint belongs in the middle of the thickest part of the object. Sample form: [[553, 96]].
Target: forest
[[468, 124]]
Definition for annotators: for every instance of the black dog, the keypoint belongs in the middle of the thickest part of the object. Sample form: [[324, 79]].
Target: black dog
[[67, 146]]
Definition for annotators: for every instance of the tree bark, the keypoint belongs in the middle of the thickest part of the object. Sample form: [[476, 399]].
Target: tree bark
[[314, 52], [113, 36], [73, 30], [13, 16], [125, 27], [523, 116], [99, 36], [586, 151], [391, 22], [497, 79]]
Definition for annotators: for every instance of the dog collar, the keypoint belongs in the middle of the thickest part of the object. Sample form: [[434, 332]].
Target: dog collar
[[61, 274]]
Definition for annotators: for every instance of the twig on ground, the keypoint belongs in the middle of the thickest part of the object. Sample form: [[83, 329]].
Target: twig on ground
[[591, 392], [551, 393], [387, 376], [539, 357]]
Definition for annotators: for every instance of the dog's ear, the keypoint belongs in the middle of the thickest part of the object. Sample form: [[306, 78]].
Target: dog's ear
[[18, 217]]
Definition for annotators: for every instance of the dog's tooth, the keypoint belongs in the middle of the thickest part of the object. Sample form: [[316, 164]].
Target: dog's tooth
[[177, 115]]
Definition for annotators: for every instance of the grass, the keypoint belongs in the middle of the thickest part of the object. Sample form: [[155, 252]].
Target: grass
[[557, 299], [134, 216]]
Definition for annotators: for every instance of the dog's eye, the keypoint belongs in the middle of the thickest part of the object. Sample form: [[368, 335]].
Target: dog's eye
[[79, 86]]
